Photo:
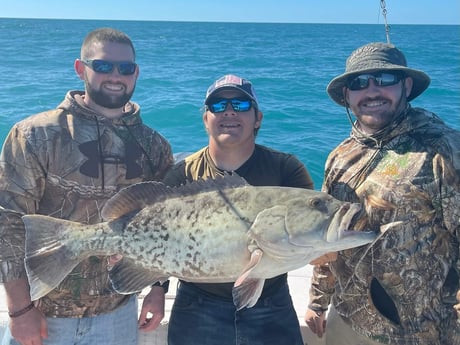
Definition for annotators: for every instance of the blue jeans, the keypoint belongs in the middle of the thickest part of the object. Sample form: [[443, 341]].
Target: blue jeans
[[198, 318], [116, 328]]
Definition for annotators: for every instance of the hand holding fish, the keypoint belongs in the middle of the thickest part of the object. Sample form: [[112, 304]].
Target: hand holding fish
[[324, 259], [112, 260]]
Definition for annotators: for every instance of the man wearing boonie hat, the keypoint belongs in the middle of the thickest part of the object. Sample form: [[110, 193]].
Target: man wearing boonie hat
[[403, 165], [204, 314]]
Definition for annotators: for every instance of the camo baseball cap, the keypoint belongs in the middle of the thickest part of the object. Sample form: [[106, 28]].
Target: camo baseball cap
[[232, 82], [374, 57]]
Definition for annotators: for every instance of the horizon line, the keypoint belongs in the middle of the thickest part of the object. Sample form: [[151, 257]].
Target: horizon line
[[219, 21]]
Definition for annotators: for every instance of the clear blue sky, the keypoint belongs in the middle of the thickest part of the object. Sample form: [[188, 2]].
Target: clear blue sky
[[287, 11]]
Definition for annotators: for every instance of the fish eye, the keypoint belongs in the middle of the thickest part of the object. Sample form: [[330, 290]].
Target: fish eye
[[315, 202]]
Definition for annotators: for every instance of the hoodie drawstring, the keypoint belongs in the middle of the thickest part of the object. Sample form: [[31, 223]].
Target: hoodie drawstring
[[101, 156], [152, 168]]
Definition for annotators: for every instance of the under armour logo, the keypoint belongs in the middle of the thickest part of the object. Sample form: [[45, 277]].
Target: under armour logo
[[91, 166]]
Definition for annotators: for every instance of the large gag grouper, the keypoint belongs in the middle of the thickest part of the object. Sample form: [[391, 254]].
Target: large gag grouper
[[215, 231]]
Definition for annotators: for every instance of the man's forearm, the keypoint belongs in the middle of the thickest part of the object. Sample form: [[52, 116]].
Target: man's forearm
[[17, 294]]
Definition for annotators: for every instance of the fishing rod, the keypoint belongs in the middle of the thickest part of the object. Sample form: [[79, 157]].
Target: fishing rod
[[384, 14]]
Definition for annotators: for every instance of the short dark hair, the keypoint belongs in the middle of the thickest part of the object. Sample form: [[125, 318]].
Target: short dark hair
[[104, 35], [256, 112]]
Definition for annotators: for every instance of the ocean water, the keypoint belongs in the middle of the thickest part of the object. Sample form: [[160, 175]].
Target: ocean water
[[289, 64]]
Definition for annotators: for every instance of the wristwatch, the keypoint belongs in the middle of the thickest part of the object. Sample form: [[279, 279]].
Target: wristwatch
[[165, 285]]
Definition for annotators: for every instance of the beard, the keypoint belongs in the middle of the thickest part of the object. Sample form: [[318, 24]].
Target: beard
[[106, 100]]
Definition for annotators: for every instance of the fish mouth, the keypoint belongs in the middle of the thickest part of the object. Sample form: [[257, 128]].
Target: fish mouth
[[339, 227]]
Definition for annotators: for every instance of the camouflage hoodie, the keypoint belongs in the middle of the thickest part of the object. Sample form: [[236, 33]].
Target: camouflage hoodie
[[66, 163], [402, 288]]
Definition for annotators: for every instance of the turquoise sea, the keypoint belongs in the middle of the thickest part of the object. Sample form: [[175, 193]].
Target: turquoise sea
[[289, 64]]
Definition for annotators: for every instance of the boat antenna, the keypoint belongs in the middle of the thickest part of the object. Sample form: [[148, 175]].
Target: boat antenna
[[384, 13]]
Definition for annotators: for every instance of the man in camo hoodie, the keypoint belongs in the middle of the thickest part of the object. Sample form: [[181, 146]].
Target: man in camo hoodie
[[67, 163], [403, 165]]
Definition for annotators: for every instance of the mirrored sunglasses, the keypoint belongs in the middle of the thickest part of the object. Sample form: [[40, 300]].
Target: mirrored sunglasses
[[104, 66], [361, 81], [238, 105]]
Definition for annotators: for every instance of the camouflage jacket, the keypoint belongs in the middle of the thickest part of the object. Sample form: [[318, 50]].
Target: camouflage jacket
[[402, 288], [66, 163]]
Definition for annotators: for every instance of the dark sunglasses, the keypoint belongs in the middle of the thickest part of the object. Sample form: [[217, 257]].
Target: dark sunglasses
[[361, 81], [238, 105], [104, 66]]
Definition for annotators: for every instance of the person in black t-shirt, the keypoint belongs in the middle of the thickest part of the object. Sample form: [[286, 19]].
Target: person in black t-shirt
[[204, 313]]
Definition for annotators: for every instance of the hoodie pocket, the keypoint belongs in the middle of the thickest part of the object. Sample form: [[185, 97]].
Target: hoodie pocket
[[383, 302]]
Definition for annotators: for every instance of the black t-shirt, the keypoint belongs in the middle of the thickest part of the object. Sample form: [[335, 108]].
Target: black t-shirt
[[265, 167]]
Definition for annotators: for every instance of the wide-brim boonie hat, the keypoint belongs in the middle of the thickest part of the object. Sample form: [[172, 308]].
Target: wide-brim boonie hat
[[375, 57], [231, 82]]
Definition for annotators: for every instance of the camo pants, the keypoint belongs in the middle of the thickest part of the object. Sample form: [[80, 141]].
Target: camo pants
[[338, 332]]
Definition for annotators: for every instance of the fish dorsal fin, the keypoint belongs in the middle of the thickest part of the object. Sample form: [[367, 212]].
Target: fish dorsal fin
[[212, 184], [142, 194], [135, 198]]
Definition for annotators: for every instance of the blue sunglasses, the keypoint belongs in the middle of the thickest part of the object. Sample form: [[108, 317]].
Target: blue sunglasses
[[238, 105], [104, 66]]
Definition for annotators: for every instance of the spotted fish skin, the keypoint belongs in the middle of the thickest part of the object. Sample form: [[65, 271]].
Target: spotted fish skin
[[221, 230]]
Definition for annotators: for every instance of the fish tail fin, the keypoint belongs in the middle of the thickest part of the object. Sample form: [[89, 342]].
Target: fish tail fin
[[48, 258]]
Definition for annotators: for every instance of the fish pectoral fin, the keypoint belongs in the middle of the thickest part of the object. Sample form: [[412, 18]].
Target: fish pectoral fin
[[127, 277], [256, 256], [247, 293]]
